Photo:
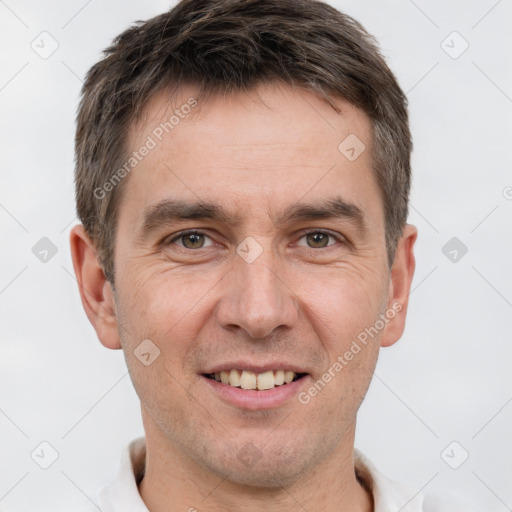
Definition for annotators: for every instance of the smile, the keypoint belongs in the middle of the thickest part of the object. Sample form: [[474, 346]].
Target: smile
[[256, 391], [246, 379]]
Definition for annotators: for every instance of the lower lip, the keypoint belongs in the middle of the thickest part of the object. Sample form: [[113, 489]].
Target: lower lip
[[254, 400]]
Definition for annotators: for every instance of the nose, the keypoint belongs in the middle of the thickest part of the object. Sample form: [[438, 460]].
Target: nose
[[256, 298]]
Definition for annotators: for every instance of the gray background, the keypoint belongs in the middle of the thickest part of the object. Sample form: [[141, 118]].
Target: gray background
[[447, 380]]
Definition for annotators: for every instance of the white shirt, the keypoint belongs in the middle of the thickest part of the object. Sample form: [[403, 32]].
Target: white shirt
[[122, 495]]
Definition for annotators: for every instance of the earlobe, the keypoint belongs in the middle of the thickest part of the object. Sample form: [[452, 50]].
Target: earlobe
[[95, 291], [402, 273]]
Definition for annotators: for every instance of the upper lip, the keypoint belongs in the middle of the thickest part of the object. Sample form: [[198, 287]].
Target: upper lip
[[256, 368]]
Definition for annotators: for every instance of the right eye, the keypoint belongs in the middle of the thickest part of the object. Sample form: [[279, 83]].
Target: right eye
[[191, 240]]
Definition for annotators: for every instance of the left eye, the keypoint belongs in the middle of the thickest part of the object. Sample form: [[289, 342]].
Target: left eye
[[317, 239]]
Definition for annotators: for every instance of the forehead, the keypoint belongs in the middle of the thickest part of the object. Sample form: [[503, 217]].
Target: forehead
[[278, 117], [273, 144]]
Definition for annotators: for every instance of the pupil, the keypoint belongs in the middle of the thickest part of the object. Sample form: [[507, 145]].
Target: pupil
[[318, 239], [194, 239]]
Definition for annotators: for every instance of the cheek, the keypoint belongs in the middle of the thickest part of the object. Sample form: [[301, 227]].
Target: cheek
[[342, 308], [342, 302], [169, 310], [161, 304], [159, 325]]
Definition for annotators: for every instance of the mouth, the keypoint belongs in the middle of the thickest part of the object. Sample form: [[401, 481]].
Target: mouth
[[248, 390], [249, 380]]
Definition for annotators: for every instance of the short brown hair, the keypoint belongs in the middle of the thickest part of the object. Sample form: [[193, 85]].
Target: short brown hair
[[230, 46]]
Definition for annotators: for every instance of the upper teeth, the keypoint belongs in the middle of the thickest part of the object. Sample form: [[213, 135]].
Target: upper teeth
[[251, 380]]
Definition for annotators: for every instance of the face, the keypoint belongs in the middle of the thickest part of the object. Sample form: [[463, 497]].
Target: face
[[248, 240]]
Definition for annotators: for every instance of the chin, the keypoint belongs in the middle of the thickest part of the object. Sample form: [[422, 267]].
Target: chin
[[262, 476], [272, 465]]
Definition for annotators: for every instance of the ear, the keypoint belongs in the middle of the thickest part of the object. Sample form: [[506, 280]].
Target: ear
[[400, 280], [95, 291]]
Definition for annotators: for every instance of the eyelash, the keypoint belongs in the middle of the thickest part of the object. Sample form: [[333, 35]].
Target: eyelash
[[197, 232]]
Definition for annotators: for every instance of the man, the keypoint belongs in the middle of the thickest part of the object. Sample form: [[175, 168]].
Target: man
[[242, 178]]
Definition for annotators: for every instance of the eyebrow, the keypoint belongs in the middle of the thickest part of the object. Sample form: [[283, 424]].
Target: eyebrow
[[170, 211]]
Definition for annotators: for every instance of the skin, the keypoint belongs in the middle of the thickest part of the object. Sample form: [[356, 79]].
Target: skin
[[300, 300]]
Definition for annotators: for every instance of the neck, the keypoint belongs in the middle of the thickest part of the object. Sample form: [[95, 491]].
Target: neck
[[173, 481]]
